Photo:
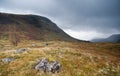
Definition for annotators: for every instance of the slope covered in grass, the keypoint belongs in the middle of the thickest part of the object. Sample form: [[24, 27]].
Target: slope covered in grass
[[23, 27], [77, 59]]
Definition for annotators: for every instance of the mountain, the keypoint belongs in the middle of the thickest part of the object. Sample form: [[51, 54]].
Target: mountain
[[112, 38], [30, 27]]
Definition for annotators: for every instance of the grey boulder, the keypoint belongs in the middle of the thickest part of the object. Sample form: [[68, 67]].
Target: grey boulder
[[21, 50], [46, 66], [6, 60]]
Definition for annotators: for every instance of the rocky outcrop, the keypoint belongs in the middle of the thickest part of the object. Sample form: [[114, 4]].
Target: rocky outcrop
[[46, 66]]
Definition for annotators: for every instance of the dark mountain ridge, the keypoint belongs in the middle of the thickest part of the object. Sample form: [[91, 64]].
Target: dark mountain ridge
[[30, 27], [112, 38]]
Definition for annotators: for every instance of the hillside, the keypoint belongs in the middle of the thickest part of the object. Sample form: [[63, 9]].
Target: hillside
[[40, 38], [30, 27], [112, 38]]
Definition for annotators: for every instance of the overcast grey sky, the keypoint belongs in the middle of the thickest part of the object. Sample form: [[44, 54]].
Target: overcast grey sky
[[82, 19]]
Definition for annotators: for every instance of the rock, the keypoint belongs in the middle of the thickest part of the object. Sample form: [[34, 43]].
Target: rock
[[21, 50], [42, 65], [54, 67], [6, 60], [60, 54], [33, 45], [46, 66]]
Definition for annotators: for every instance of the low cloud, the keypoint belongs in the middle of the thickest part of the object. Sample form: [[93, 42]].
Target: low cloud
[[86, 35], [82, 17]]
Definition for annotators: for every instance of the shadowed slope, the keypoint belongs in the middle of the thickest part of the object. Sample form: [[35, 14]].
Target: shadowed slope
[[30, 27]]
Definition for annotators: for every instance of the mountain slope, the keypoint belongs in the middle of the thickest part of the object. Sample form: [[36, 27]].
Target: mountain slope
[[112, 38], [32, 27]]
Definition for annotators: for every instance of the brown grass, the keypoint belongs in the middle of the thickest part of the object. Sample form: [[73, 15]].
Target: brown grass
[[77, 59]]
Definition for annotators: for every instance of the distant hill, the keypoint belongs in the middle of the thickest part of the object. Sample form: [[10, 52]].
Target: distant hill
[[30, 27], [112, 38]]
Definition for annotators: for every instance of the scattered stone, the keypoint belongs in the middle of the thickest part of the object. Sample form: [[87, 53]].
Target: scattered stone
[[54, 67], [46, 66], [33, 45], [60, 54], [21, 50], [6, 60]]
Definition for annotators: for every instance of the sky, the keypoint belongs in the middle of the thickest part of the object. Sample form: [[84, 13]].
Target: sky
[[81, 19]]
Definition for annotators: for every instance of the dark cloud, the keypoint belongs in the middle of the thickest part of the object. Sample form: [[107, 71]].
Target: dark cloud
[[94, 14], [102, 16]]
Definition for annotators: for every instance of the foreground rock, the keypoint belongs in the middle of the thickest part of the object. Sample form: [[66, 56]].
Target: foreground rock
[[46, 66], [6, 60]]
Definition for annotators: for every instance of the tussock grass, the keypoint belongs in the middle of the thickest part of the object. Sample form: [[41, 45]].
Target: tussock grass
[[77, 59]]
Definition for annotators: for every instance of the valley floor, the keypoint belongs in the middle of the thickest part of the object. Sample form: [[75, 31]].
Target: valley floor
[[77, 58]]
